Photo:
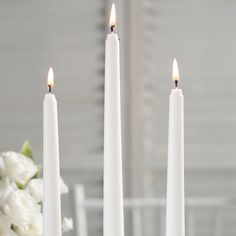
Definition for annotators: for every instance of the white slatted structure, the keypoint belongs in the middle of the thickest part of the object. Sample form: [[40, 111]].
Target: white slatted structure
[[205, 216], [70, 38], [203, 42]]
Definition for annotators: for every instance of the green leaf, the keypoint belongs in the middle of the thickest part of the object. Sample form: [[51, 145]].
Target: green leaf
[[26, 150], [20, 186]]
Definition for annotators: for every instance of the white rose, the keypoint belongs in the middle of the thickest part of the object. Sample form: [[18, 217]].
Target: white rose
[[64, 187], [6, 189], [18, 167], [21, 208], [35, 188], [67, 224], [5, 226], [34, 229], [1, 166]]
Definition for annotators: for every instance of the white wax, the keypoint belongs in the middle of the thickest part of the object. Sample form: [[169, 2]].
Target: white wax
[[51, 169], [113, 221], [175, 213]]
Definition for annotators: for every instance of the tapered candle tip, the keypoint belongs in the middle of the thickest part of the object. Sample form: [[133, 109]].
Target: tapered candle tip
[[50, 79], [112, 22], [175, 72]]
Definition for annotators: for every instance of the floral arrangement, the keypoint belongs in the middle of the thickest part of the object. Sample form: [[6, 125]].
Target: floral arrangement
[[21, 195]]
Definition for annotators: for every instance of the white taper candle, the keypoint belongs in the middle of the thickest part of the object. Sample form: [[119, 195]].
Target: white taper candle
[[51, 169], [175, 213], [113, 221]]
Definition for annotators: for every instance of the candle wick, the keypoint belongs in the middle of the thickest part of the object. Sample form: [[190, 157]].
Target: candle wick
[[49, 88], [112, 28], [176, 83]]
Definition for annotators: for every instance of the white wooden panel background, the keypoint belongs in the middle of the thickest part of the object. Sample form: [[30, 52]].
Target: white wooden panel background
[[69, 35], [200, 35]]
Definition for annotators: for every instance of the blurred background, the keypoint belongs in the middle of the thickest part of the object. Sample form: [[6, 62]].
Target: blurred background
[[69, 36]]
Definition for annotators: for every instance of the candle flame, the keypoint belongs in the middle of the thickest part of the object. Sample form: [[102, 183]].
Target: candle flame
[[50, 78], [175, 72], [112, 22]]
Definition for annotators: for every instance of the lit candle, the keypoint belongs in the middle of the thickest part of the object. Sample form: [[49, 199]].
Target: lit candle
[[51, 168], [113, 221], [175, 213]]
